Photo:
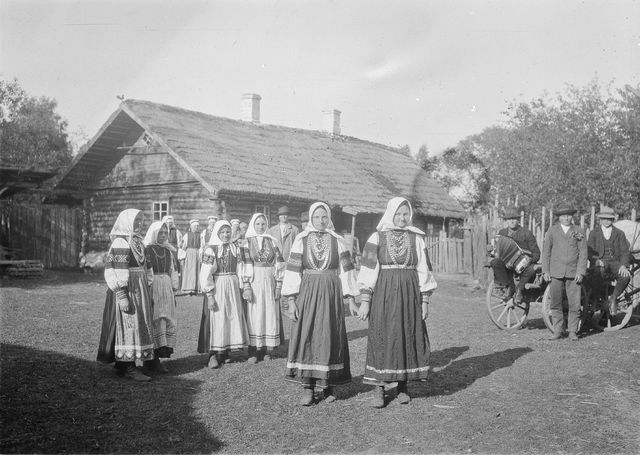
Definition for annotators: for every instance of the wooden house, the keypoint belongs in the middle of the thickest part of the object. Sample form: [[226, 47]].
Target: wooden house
[[167, 160]]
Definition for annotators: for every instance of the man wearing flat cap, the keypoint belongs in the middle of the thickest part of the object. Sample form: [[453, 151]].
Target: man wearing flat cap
[[564, 263], [525, 240], [284, 231], [608, 256]]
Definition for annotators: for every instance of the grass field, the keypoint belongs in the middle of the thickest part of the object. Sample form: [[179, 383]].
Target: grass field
[[490, 392]]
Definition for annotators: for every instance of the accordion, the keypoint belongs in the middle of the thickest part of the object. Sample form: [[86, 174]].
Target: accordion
[[508, 250]]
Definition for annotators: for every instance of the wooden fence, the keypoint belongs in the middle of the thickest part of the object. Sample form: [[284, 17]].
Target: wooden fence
[[49, 233], [447, 255]]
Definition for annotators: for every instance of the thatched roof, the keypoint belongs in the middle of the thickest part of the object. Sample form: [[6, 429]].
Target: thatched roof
[[233, 156]]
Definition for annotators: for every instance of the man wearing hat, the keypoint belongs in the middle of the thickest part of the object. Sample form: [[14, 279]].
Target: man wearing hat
[[284, 231], [564, 264], [525, 240], [608, 255]]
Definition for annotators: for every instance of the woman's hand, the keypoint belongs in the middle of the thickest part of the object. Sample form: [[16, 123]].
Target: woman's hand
[[123, 304], [294, 313], [546, 277], [365, 305], [211, 302], [122, 299], [353, 309], [425, 306]]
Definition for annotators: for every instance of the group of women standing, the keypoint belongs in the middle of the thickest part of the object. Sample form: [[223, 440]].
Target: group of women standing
[[231, 273], [138, 322], [394, 284]]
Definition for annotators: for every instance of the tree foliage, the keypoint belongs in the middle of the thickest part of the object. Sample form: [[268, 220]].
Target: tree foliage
[[461, 172], [581, 146], [32, 133]]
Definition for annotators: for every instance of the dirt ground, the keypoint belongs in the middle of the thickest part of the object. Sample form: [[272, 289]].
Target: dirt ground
[[491, 391]]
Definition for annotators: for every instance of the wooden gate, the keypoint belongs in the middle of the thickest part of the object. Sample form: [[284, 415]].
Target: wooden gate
[[447, 254], [49, 233]]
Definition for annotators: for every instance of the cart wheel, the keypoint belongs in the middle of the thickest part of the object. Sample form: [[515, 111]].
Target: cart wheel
[[585, 312], [602, 320], [505, 315]]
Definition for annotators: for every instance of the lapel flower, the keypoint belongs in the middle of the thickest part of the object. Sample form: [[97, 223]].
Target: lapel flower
[[576, 235]]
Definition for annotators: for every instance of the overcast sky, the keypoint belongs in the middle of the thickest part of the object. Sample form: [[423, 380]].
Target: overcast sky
[[401, 72]]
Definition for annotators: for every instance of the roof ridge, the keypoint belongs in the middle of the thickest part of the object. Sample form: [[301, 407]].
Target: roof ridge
[[262, 125]]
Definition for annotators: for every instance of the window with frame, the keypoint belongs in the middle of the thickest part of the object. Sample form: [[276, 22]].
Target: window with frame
[[160, 210]]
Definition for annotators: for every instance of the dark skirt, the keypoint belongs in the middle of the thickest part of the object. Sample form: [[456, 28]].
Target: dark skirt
[[107, 344], [398, 344], [318, 347]]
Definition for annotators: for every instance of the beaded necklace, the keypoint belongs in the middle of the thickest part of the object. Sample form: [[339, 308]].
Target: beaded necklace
[[263, 254], [319, 249], [225, 257], [161, 266], [398, 246], [137, 248]]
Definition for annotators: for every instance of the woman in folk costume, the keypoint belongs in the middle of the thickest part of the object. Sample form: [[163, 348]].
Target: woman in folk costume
[[165, 282], [173, 240], [395, 283], [263, 273], [126, 324], [319, 275], [206, 233], [222, 327], [191, 267]]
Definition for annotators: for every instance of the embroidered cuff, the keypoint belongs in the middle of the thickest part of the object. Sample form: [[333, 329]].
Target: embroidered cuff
[[366, 291], [121, 294]]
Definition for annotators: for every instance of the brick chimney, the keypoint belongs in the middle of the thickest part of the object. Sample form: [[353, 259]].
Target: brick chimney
[[251, 107], [331, 121]]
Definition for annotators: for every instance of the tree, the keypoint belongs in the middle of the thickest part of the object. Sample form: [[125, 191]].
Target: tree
[[582, 147], [461, 172], [32, 133]]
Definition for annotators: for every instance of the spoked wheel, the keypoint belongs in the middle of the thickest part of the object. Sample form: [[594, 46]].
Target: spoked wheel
[[603, 320], [585, 311], [506, 315]]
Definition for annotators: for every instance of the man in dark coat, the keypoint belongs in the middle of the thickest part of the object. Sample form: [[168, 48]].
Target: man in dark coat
[[525, 240], [564, 263], [608, 256]]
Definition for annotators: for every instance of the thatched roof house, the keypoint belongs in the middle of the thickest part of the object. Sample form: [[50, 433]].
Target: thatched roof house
[[163, 159]]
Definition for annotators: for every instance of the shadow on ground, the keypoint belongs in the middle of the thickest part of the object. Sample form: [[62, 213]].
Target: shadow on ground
[[460, 374], [54, 403]]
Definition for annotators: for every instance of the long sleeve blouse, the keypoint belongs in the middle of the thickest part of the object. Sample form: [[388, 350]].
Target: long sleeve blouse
[[377, 254]]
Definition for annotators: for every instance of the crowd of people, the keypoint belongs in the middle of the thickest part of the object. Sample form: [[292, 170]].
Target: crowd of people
[[569, 259], [250, 274]]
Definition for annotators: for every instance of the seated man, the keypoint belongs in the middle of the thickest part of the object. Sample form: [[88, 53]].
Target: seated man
[[608, 256], [524, 238]]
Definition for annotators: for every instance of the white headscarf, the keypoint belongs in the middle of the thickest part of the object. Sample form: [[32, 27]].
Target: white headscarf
[[311, 228], [124, 225], [251, 229], [167, 218], [152, 233], [386, 222], [215, 239]]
